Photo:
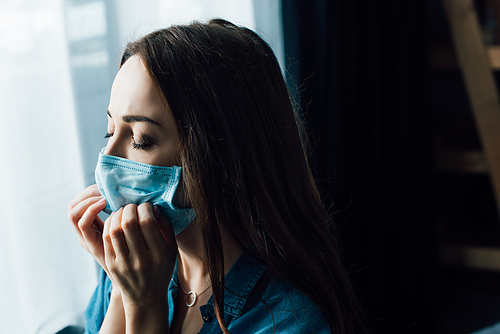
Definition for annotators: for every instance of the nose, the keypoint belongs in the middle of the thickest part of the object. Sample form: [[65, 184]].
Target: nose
[[115, 147]]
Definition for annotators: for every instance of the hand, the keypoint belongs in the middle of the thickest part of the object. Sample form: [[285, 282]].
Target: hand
[[140, 253], [83, 211]]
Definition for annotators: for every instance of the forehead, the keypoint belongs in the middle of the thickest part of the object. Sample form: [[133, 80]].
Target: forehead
[[134, 92]]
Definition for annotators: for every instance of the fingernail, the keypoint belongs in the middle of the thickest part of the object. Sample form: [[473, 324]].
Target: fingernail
[[101, 200]]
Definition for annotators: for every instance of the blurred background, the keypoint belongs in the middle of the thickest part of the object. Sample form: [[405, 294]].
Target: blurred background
[[404, 158], [58, 59]]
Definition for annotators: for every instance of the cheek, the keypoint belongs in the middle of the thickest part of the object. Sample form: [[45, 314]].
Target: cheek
[[158, 155], [170, 154], [168, 159]]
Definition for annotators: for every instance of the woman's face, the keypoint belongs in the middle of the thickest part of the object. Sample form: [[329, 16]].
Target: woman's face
[[140, 127]]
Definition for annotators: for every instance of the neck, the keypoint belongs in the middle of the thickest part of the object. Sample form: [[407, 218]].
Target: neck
[[193, 274]]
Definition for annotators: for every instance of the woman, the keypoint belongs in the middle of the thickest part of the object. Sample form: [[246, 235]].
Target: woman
[[258, 256]]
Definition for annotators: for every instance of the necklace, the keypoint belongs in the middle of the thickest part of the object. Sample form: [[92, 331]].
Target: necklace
[[192, 295]]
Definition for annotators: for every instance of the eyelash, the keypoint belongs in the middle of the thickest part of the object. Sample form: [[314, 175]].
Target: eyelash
[[144, 145]]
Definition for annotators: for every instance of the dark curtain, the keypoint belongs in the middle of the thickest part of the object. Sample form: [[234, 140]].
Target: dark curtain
[[361, 71]]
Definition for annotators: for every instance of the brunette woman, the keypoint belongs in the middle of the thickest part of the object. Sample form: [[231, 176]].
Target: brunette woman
[[217, 225]]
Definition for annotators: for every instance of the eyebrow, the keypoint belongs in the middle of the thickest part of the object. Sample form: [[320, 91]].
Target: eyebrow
[[131, 119]]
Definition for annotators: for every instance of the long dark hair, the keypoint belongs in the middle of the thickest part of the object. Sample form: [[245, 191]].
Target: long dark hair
[[244, 164]]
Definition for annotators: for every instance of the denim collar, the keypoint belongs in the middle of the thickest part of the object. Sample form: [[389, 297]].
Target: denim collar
[[240, 280]]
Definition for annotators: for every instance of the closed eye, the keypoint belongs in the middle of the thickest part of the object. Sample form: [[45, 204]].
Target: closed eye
[[144, 143]]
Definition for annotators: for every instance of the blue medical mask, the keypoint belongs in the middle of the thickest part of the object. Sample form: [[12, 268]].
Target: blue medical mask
[[122, 181]]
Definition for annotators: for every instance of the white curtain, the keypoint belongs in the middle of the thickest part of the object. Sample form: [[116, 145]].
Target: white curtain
[[57, 62]]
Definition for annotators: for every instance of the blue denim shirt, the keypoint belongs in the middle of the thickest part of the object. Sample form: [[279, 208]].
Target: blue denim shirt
[[277, 307]]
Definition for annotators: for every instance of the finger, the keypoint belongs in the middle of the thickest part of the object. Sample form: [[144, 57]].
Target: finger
[[107, 223], [150, 230], [166, 228], [90, 191], [85, 213], [92, 237], [75, 213], [109, 252], [117, 236], [98, 223], [131, 230], [93, 211]]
